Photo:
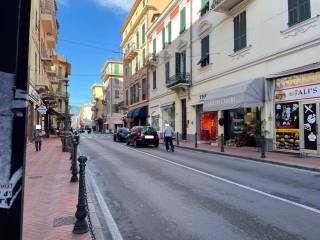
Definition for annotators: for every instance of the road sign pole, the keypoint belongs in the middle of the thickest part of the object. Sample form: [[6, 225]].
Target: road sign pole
[[14, 48]]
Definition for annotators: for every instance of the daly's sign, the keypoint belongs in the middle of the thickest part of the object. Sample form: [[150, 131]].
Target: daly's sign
[[305, 92]]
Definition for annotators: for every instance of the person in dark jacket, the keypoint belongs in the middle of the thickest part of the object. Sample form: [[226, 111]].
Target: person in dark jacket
[[37, 137]]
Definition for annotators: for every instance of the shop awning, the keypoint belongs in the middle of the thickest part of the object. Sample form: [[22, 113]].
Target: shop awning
[[129, 114], [302, 69], [141, 112], [251, 93], [167, 105]]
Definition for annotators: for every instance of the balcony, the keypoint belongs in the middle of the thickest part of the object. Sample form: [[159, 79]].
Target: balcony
[[152, 61], [130, 53], [48, 16], [51, 70], [45, 56], [61, 94], [224, 6], [180, 80], [51, 40]]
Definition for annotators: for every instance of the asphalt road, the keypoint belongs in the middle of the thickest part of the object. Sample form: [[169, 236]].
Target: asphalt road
[[154, 194]]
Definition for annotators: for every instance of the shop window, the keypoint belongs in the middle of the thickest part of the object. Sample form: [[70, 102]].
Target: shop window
[[298, 11], [287, 125], [208, 126], [240, 31]]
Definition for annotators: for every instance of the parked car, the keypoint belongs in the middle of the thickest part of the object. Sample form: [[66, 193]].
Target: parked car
[[120, 135], [143, 135]]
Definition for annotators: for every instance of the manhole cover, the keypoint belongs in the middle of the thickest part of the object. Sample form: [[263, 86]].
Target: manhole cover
[[58, 222], [35, 177]]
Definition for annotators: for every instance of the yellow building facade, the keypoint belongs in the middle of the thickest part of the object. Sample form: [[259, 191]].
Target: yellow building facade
[[98, 107]]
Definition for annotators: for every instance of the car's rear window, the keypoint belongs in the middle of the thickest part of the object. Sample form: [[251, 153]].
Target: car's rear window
[[147, 130], [124, 130]]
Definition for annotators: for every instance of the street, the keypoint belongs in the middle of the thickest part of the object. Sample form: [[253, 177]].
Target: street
[[154, 194]]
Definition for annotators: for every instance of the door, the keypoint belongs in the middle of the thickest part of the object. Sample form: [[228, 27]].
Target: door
[[310, 117], [184, 119]]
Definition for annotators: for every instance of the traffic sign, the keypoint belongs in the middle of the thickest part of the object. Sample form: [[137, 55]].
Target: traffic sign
[[42, 109]]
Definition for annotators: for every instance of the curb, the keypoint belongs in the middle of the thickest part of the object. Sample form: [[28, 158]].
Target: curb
[[251, 159]]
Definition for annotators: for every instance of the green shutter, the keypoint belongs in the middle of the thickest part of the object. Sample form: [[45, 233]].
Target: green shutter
[[169, 32], [204, 2], [183, 20], [163, 38], [116, 69], [154, 46], [143, 34]]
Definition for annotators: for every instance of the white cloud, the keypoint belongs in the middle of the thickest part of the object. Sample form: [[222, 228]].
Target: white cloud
[[123, 5]]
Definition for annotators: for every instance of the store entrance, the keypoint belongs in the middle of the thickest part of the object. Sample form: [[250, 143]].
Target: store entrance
[[309, 115]]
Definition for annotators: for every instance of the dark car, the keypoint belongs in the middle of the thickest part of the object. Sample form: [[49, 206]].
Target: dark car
[[143, 135], [120, 135]]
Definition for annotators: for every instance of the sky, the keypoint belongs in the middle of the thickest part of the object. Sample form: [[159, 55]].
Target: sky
[[89, 34]]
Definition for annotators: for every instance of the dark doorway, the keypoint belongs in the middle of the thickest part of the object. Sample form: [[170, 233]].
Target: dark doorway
[[184, 119]]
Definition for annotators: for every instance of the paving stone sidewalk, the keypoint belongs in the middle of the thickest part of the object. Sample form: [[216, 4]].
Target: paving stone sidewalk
[[286, 159], [49, 199]]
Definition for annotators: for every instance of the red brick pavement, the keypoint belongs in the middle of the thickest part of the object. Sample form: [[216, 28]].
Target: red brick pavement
[[49, 193], [308, 162]]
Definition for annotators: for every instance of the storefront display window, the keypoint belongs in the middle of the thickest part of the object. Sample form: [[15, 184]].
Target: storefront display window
[[310, 126], [241, 126], [287, 125], [208, 126]]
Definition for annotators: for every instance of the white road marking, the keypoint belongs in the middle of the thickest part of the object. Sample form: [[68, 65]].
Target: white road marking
[[111, 223], [113, 228], [231, 182]]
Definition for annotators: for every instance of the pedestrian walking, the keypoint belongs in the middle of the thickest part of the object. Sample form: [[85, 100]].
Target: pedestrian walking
[[37, 137], [168, 133]]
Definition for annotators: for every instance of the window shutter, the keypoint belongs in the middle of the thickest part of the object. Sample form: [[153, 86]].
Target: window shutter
[[178, 63], [169, 32], [143, 56], [116, 69], [143, 34], [183, 55], [203, 3], [182, 20], [154, 47], [154, 74], [163, 38]]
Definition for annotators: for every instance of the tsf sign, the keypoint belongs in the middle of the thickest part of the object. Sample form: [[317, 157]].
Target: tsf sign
[[42, 109]]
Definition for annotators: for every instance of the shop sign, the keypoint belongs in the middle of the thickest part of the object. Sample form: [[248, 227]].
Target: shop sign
[[310, 91], [203, 96], [34, 95], [222, 101], [296, 81], [42, 109]]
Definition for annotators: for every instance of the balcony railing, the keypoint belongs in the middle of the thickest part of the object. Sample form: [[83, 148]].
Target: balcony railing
[[130, 52], [179, 80], [224, 6]]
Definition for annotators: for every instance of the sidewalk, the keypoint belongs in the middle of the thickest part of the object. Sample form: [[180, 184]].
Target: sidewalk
[[49, 199], [286, 159]]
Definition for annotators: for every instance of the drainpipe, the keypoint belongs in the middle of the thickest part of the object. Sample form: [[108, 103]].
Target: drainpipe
[[191, 52]]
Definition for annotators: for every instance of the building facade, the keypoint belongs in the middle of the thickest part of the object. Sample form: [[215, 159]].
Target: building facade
[[85, 116], [135, 49], [251, 63], [98, 107], [112, 78]]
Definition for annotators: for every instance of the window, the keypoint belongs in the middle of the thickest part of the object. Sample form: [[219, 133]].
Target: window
[[299, 10], [169, 32], [181, 63], [137, 93], [205, 52], [144, 89], [116, 82], [143, 37], [36, 63], [204, 7], [154, 80], [116, 94], [163, 38], [131, 94], [143, 57], [137, 39], [115, 108], [183, 20], [167, 69], [240, 31], [127, 97], [60, 72], [116, 69], [154, 47]]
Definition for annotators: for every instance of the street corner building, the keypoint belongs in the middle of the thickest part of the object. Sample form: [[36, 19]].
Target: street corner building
[[48, 71], [237, 68]]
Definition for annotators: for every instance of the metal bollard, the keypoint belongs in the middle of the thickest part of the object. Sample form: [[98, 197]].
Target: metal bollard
[[74, 166], [81, 225], [221, 143], [177, 138], [263, 148], [196, 140]]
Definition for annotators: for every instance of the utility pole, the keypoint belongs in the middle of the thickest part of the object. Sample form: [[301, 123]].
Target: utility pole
[[14, 48]]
